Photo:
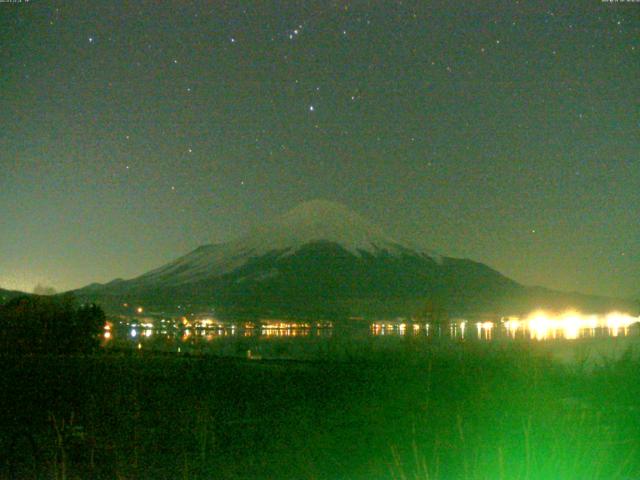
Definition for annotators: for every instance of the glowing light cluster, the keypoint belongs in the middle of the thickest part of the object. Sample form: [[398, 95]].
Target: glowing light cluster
[[485, 330], [619, 321], [279, 328], [107, 330], [541, 325], [538, 325]]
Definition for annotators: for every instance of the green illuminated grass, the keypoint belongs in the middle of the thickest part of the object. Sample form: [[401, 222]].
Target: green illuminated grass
[[462, 412]]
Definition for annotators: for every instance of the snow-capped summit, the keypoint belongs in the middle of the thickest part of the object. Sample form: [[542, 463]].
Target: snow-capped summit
[[320, 220], [309, 222]]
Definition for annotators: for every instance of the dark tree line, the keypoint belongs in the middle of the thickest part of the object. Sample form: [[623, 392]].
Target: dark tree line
[[49, 325]]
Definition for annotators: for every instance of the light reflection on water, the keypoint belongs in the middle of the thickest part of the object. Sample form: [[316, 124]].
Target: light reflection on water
[[569, 325], [302, 339], [537, 326]]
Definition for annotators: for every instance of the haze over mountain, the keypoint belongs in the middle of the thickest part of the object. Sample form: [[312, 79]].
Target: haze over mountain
[[323, 259]]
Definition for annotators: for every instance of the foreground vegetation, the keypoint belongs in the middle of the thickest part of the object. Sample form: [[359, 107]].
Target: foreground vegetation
[[33, 324], [462, 412]]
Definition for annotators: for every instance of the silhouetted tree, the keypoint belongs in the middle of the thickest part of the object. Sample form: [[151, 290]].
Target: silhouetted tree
[[34, 324], [40, 289]]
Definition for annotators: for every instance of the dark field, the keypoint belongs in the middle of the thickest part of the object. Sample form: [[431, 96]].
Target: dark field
[[465, 412]]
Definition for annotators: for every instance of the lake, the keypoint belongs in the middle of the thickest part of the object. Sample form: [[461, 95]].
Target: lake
[[569, 336]]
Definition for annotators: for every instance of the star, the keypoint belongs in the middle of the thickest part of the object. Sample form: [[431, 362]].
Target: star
[[311, 108], [91, 39]]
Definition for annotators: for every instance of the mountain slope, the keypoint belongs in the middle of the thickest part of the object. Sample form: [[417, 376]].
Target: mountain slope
[[322, 259], [313, 221], [6, 295]]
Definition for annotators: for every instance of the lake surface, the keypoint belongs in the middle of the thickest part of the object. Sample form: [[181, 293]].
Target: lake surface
[[568, 336]]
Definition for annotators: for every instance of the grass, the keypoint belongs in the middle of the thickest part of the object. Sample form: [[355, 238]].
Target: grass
[[463, 412]]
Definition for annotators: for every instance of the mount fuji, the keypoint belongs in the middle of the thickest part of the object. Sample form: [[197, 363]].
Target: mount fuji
[[322, 259]]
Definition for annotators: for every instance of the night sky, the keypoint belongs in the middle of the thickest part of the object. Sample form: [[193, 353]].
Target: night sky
[[506, 132]]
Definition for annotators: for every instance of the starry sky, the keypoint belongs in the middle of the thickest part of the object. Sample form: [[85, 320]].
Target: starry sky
[[506, 132]]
